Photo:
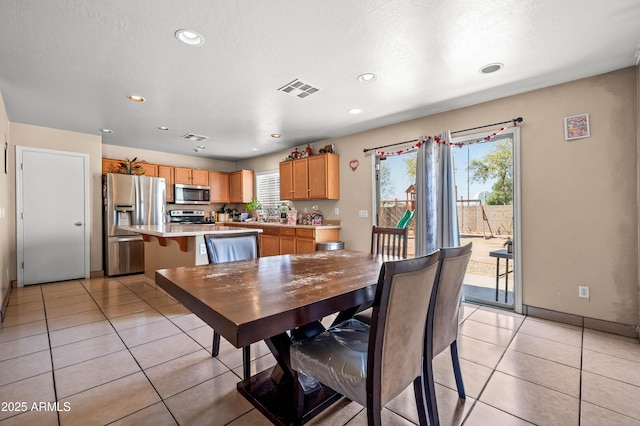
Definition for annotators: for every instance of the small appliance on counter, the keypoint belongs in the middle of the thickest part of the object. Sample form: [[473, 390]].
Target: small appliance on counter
[[186, 217]]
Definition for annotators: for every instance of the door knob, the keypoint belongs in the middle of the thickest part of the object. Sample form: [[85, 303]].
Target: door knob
[[78, 224]]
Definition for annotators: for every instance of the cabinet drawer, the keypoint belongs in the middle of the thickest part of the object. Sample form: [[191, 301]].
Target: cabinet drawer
[[304, 233], [269, 231], [288, 231]]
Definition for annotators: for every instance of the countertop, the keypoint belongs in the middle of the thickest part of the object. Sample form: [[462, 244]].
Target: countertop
[[177, 230], [282, 225]]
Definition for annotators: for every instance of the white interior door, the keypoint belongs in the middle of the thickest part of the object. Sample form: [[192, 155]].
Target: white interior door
[[52, 211]]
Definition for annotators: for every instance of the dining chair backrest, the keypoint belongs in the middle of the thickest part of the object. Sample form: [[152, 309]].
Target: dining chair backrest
[[223, 248], [389, 241], [451, 272], [398, 325]]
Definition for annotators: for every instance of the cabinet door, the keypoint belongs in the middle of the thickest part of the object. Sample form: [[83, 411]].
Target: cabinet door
[[286, 180], [219, 187], [200, 177], [300, 179], [241, 186], [269, 245], [110, 166], [324, 177], [287, 245], [150, 170], [182, 175], [305, 245], [166, 172]]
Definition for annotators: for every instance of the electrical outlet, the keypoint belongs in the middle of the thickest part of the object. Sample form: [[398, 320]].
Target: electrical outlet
[[203, 249], [363, 213], [583, 291], [336, 211]]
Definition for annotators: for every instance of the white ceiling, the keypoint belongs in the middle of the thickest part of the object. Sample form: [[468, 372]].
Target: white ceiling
[[70, 64]]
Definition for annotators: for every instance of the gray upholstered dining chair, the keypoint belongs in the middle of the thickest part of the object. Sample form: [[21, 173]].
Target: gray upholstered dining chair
[[442, 321], [223, 248], [372, 364]]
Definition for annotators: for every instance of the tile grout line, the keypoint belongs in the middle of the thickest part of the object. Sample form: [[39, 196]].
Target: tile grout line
[[493, 370], [53, 370], [132, 356]]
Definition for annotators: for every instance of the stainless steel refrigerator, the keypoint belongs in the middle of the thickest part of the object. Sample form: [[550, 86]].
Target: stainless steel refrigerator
[[129, 200]]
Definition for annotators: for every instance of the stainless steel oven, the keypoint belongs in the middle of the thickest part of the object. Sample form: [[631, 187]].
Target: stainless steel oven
[[191, 194]]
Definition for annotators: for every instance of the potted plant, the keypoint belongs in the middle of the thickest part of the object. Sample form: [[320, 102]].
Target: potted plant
[[509, 245], [253, 205]]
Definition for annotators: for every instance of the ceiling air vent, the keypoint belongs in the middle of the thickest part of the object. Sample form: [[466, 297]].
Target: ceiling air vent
[[194, 137], [299, 89]]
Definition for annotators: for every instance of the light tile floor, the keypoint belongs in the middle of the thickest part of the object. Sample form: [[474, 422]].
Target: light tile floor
[[120, 351]]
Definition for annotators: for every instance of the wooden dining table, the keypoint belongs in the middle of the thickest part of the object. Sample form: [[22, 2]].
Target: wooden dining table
[[278, 299]]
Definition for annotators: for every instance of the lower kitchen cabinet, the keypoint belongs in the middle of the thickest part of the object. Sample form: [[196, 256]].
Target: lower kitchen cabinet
[[269, 242], [287, 240], [290, 239]]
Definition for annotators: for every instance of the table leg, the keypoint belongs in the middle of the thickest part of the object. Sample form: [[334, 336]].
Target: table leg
[[272, 391], [497, 276], [506, 281]]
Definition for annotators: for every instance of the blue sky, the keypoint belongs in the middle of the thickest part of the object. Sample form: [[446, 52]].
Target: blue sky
[[466, 189]]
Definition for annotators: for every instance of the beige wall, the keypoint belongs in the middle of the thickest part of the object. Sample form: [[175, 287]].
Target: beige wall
[[6, 211], [155, 157], [592, 180], [62, 140]]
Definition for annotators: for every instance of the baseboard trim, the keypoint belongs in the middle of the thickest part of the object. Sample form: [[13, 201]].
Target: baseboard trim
[[5, 301], [96, 274], [586, 322]]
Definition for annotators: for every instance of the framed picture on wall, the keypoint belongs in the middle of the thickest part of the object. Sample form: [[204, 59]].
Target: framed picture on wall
[[576, 127]]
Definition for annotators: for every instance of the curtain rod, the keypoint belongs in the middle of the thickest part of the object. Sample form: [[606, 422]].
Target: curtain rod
[[515, 122]]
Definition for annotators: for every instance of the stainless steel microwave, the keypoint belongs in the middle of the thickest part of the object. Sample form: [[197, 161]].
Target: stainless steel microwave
[[191, 194]]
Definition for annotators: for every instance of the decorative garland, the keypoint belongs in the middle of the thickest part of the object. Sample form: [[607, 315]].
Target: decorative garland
[[436, 139]]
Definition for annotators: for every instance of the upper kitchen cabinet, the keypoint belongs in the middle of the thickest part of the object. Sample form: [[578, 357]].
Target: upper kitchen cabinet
[[113, 166], [166, 172], [218, 187], [190, 176], [312, 178], [241, 186]]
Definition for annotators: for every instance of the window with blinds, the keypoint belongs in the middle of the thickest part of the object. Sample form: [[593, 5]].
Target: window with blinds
[[268, 189]]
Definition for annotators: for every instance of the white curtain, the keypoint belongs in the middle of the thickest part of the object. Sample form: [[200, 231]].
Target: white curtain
[[436, 216]]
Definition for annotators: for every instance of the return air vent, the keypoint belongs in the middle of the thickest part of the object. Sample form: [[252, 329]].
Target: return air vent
[[194, 137], [299, 89]]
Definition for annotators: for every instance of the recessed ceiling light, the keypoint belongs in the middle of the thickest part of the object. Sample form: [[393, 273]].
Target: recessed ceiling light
[[106, 130], [488, 69], [196, 149], [254, 149], [202, 147], [136, 98], [276, 135], [189, 37], [355, 111], [164, 128], [367, 77]]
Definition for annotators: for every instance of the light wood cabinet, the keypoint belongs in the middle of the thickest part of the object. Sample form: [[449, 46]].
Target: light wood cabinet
[[305, 241], [110, 166], [190, 176], [313, 178], [287, 240], [150, 170], [166, 172], [241, 186], [269, 245], [218, 187]]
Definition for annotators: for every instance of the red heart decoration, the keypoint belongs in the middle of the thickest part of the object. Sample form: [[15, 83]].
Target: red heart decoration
[[354, 164]]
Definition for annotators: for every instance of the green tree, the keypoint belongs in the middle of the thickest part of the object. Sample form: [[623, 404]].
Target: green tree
[[410, 162], [496, 166], [386, 184]]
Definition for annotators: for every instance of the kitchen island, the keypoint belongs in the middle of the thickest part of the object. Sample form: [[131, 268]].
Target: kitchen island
[[173, 245]]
